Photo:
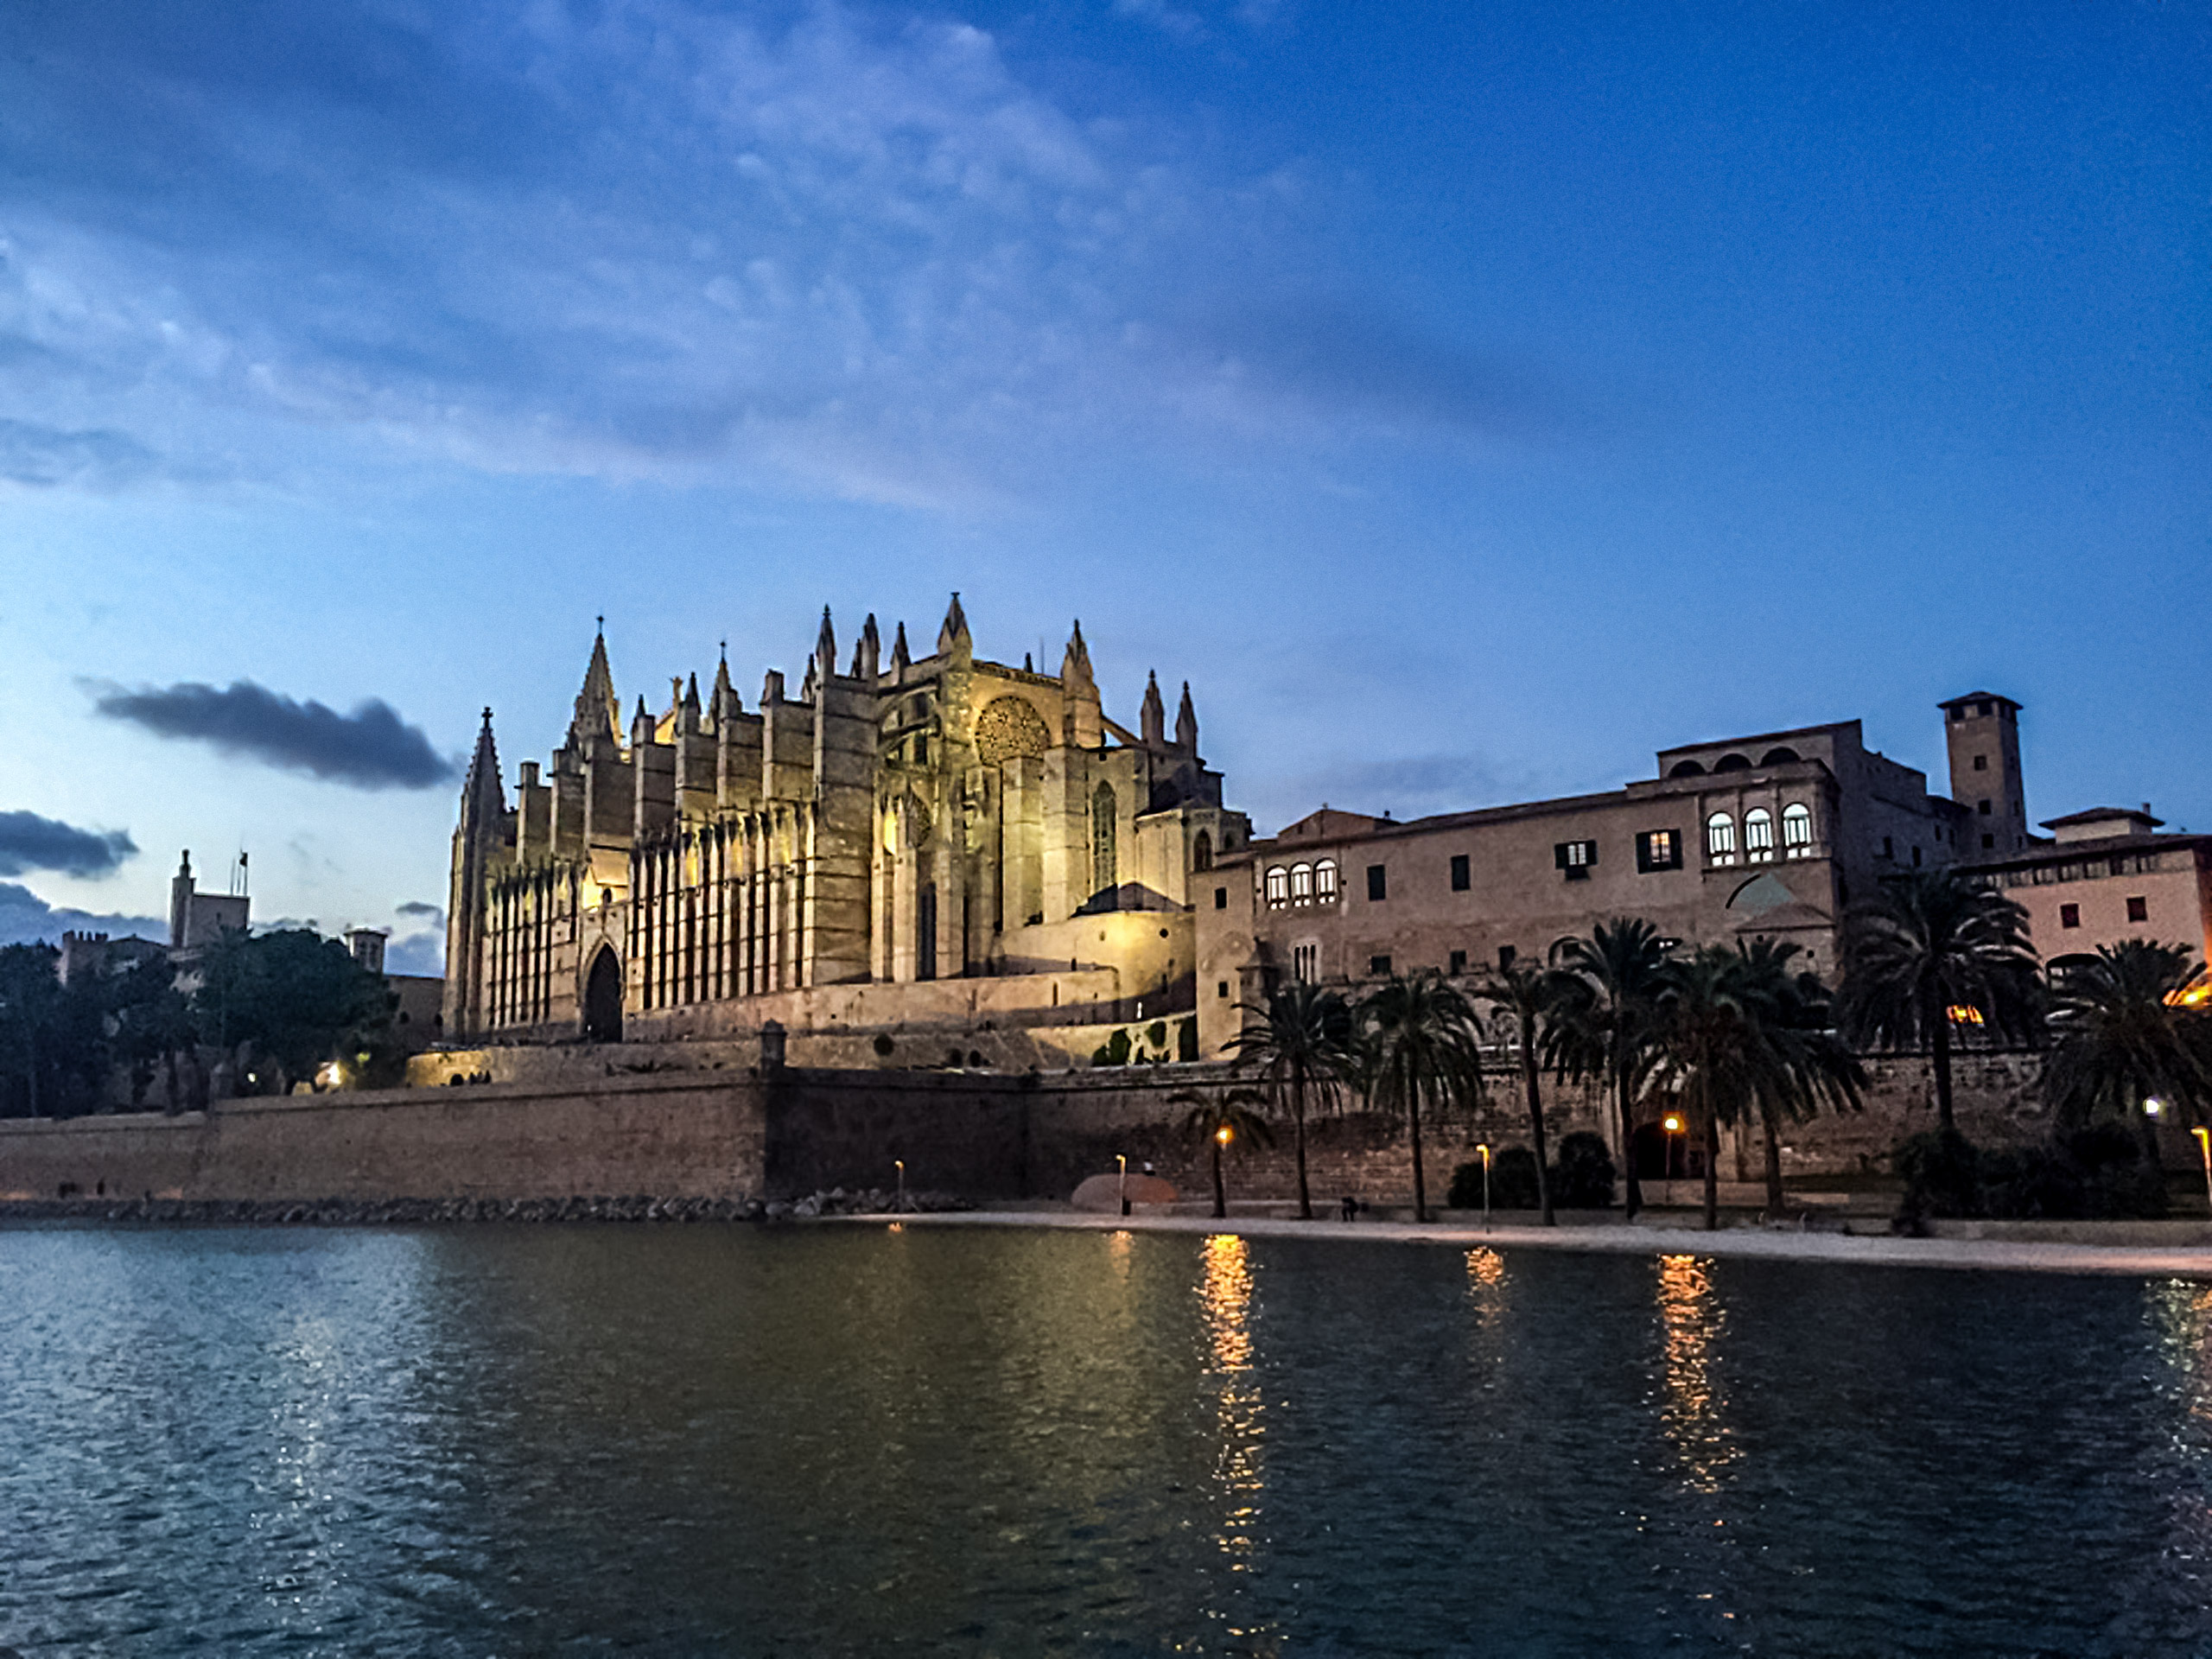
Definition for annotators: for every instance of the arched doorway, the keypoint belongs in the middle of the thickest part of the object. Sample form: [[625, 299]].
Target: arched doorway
[[603, 998]]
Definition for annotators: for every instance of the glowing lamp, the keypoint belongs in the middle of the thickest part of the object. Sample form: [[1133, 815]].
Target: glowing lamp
[[1673, 1125], [1223, 1135]]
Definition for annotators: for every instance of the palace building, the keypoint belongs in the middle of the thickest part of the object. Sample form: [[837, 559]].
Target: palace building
[[941, 844]]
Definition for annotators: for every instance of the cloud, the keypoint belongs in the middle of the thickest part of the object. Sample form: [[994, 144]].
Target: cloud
[[419, 907], [28, 843], [416, 953], [370, 748], [44, 456], [26, 918], [652, 238]]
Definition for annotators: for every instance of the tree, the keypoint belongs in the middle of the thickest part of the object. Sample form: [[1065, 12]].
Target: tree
[[153, 1022], [1303, 1041], [1932, 941], [1706, 1051], [1604, 1029], [2122, 1036], [1422, 1050], [1530, 995], [1809, 1066], [30, 1002], [298, 998], [1223, 1117]]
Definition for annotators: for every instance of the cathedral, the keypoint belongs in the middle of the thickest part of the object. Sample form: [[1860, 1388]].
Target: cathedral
[[941, 844]]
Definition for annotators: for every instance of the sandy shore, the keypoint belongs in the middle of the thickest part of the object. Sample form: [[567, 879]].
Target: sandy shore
[[2164, 1261]]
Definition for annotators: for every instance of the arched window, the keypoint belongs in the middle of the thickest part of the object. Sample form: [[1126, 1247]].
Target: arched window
[[1779, 757], [1687, 769], [1278, 887], [1103, 871], [1720, 838], [1301, 884], [1733, 763], [1201, 852], [1759, 835], [1797, 829], [1325, 882]]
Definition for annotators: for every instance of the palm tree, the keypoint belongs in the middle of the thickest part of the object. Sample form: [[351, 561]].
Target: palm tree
[[1707, 1050], [1304, 1041], [1929, 942], [1422, 1044], [2123, 1037], [1531, 996], [1605, 1030], [1810, 1066], [1223, 1117]]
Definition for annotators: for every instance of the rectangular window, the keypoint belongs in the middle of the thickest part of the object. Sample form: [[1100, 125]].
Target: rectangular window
[[1221, 898], [1983, 808], [1659, 849], [1378, 885], [1505, 954], [1575, 857], [1888, 847], [2138, 909], [1379, 966], [1221, 988], [1462, 876], [1988, 842], [2070, 915], [1459, 961], [1981, 763], [1306, 963], [1915, 858]]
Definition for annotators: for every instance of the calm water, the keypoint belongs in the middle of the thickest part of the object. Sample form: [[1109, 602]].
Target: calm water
[[851, 1441]]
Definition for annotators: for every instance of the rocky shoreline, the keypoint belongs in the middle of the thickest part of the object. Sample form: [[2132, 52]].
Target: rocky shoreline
[[377, 1212]]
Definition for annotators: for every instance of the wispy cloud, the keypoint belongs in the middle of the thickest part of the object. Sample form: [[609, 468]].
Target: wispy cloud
[[370, 748], [26, 918], [30, 842], [845, 251]]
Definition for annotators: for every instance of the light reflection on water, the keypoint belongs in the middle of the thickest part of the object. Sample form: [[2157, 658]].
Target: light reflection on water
[[853, 1441]]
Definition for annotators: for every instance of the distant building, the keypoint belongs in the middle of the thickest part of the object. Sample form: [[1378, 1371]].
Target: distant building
[[2109, 876], [196, 918], [367, 945]]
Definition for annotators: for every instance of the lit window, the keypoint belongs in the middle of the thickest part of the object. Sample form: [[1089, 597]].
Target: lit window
[[1324, 881], [2070, 915], [1658, 849], [1462, 876], [1301, 884], [1759, 835], [1575, 857], [1720, 838], [1796, 830], [2138, 909], [1278, 887]]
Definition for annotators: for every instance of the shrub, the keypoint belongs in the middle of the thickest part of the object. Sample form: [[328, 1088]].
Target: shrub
[[2095, 1174], [1583, 1177], [1940, 1169]]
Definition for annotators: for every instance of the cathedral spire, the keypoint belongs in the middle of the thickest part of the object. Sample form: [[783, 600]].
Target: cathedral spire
[[687, 716], [1186, 723], [867, 654], [1153, 718], [641, 723], [1075, 662], [482, 800], [901, 659], [825, 648], [724, 701], [954, 633], [599, 712]]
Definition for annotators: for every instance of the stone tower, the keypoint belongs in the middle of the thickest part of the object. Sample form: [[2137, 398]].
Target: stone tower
[[1982, 731]]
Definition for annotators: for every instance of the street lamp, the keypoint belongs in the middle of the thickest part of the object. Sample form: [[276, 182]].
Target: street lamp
[[1484, 1149], [1222, 1136], [1122, 1180], [899, 1164], [1673, 1127], [2204, 1145]]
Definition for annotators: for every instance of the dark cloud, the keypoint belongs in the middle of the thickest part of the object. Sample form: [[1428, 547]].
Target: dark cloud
[[30, 842], [26, 918], [45, 457], [370, 748], [417, 908]]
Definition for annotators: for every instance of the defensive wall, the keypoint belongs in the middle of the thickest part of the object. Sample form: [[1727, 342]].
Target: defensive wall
[[698, 1123]]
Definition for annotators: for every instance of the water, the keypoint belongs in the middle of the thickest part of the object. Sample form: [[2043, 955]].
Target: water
[[665, 1441]]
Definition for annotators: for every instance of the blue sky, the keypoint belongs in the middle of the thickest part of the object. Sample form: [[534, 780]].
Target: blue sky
[[1469, 400]]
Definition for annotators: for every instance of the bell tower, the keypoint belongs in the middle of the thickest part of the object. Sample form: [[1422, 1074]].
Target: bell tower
[[1983, 731]]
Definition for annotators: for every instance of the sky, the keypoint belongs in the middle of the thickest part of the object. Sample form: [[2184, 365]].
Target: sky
[[1469, 400]]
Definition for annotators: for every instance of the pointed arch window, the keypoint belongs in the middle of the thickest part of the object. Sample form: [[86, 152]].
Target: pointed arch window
[[1759, 835], [1796, 830], [1104, 872], [1201, 852], [1720, 838]]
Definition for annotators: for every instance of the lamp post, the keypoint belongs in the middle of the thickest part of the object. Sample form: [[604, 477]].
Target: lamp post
[[1122, 1180], [1222, 1137], [1673, 1125], [1484, 1148], [899, 1164], [2204, 1144]]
